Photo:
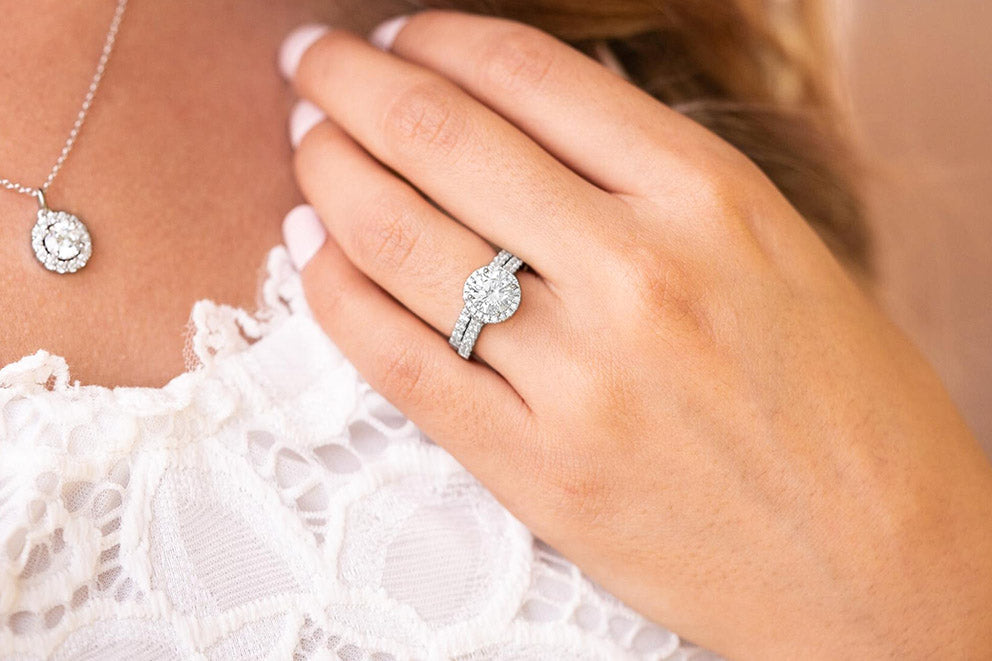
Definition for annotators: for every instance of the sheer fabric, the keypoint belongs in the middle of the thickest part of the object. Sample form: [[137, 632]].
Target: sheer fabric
[[269, 504]]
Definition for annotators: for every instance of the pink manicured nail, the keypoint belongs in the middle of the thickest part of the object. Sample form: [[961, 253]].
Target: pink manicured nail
[[384, 35], [304, 117], [303, 234], [296, 44]]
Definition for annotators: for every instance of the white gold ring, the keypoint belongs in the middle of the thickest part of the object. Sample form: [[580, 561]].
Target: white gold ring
[[491, 294]]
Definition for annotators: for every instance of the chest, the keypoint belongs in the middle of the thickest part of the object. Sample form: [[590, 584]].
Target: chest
[[182, 174]]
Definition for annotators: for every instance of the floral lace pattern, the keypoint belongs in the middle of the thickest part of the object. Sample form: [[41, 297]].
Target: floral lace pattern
[[269, 504]]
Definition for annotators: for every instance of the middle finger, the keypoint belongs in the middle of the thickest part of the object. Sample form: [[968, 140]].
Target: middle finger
[[475, 164]]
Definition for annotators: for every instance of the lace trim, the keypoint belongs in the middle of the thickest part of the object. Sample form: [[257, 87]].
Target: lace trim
[[216, 332], [269, 503]]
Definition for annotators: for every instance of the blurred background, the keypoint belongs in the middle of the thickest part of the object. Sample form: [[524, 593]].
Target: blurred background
[[916, 76]]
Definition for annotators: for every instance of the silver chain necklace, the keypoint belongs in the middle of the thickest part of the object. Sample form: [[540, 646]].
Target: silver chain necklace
[[60, 240]]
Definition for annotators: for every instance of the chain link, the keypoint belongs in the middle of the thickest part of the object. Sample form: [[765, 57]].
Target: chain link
[[108, 48]]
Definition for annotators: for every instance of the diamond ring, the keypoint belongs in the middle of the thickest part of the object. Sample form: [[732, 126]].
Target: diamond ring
[[491, 295]]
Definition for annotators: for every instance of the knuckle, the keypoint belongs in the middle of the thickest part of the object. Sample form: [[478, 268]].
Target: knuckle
[[400, 371], [713, 194], [387, 234], [660, 286], [576, 484], [608, 390], [716, 195], [519, 58], [425, 115], [667, 297]]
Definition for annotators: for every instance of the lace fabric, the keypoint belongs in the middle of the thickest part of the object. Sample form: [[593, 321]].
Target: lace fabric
[[269, 504]]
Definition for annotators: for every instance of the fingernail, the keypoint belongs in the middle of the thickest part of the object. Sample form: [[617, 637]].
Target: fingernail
[[383, 36], [296, 44], [304, 117], [303, 234]]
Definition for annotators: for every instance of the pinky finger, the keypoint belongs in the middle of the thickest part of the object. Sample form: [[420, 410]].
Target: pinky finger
[[464, 406]]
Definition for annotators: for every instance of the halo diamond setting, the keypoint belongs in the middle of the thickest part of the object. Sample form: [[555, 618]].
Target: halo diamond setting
[[492, 293], [61, 241]]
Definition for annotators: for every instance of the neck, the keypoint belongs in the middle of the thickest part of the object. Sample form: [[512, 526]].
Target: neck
[[49, 51], [181, 172]]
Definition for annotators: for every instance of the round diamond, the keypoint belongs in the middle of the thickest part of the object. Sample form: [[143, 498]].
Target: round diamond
[[63, 239], [60, 241], [492, 293]]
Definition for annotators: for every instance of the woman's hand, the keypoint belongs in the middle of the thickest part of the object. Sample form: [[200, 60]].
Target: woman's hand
[[694, 402]]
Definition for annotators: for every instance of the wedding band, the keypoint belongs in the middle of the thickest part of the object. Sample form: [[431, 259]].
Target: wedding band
[[491, 294]]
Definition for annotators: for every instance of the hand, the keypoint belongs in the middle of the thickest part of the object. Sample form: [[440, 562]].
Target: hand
[[694, 402]]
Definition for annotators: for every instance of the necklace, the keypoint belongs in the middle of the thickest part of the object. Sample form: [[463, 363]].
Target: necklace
[[59, 239]]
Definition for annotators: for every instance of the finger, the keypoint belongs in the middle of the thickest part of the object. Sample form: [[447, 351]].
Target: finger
[[462, 155], [586, 115], [463, 405], [412, 250]]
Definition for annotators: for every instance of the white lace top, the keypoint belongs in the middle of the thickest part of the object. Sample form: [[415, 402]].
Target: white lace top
[[268, 505]]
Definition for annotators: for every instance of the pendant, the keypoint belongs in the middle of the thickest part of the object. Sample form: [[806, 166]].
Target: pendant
[[60, 240]]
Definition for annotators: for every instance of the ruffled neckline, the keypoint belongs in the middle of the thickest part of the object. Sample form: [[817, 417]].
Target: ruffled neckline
[[217, 334]]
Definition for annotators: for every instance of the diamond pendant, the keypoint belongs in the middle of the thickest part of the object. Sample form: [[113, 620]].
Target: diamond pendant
[[60, 240]]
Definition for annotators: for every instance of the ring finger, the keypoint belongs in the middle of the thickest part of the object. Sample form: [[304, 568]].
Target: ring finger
[[413, 251]]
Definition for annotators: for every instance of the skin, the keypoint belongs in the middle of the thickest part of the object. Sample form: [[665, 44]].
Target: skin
[[695, 403], [182, 171]]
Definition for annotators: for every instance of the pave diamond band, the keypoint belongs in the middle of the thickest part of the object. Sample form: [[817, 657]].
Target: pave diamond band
[[491, 294]]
